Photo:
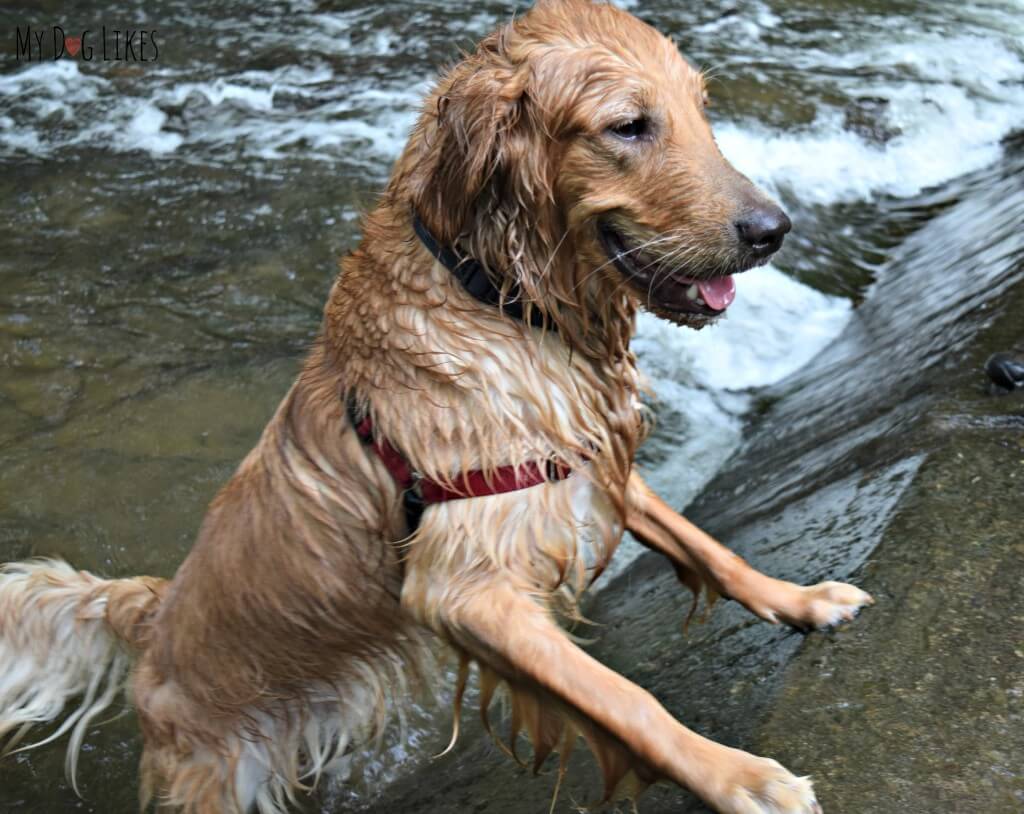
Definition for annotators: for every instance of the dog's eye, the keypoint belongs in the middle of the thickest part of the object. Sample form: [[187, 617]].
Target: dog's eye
[[631, 130]]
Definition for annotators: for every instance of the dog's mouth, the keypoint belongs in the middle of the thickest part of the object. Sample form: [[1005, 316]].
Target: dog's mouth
[[667, 290]]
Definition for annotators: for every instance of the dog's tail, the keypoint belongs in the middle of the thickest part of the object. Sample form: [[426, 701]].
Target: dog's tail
[[66, 634]]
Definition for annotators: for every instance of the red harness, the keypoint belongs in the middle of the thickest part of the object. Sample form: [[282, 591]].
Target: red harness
[[418, 492]]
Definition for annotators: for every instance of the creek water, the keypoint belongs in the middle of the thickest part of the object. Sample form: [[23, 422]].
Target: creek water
[[169, 230]]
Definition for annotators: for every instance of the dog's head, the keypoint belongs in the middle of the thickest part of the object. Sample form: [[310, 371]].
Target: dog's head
[[572, 153]]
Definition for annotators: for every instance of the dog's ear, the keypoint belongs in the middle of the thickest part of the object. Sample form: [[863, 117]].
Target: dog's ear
[[463, 144], [481, 154]]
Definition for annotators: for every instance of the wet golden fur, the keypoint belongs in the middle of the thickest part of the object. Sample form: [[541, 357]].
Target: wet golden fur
[[306, 609]]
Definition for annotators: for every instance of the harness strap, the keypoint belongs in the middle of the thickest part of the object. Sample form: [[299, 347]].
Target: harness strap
[[419, 492], [475, 279]]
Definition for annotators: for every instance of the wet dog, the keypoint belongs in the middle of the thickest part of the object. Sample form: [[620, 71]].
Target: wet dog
[[454, 463]]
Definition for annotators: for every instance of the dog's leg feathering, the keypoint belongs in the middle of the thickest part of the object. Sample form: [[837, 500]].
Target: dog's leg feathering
[[558, 691], [694, 552]]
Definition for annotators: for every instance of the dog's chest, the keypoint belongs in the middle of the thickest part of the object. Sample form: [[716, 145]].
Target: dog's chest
[[595, 528], [506, 403]]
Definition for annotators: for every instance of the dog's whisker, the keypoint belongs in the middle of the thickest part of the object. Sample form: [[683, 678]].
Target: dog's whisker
[[653, 241]]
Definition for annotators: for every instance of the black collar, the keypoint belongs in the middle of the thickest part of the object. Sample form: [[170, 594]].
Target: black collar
[[475, 279]]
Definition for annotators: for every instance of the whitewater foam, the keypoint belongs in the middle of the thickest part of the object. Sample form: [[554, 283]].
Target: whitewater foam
[[950, 107], [952, 114]]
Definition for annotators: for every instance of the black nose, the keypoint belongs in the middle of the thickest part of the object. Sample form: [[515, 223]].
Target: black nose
[[763, 229]]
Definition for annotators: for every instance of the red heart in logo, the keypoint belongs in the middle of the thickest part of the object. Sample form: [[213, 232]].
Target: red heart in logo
[[73, 44]]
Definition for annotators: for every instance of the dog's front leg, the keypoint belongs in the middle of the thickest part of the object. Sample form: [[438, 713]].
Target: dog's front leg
[[692, 550], [513, 635]]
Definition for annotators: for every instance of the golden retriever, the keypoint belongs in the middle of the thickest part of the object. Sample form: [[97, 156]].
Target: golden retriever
[[569, 165]]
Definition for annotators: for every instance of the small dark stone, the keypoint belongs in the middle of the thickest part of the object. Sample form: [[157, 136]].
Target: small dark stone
[[866, 116], [1005, 371]]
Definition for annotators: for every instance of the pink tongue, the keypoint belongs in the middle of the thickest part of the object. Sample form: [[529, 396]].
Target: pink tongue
[[718, 293]]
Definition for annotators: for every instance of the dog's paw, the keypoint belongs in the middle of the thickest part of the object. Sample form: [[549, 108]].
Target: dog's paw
[[763, 786], [829, 603], [806, 608]]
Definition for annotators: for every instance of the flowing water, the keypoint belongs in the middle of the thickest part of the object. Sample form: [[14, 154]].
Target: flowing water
[[170, 227]]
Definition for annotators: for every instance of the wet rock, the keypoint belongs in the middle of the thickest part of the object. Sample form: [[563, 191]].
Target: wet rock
[[866, 116], [182, 115], [1005, 371]]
